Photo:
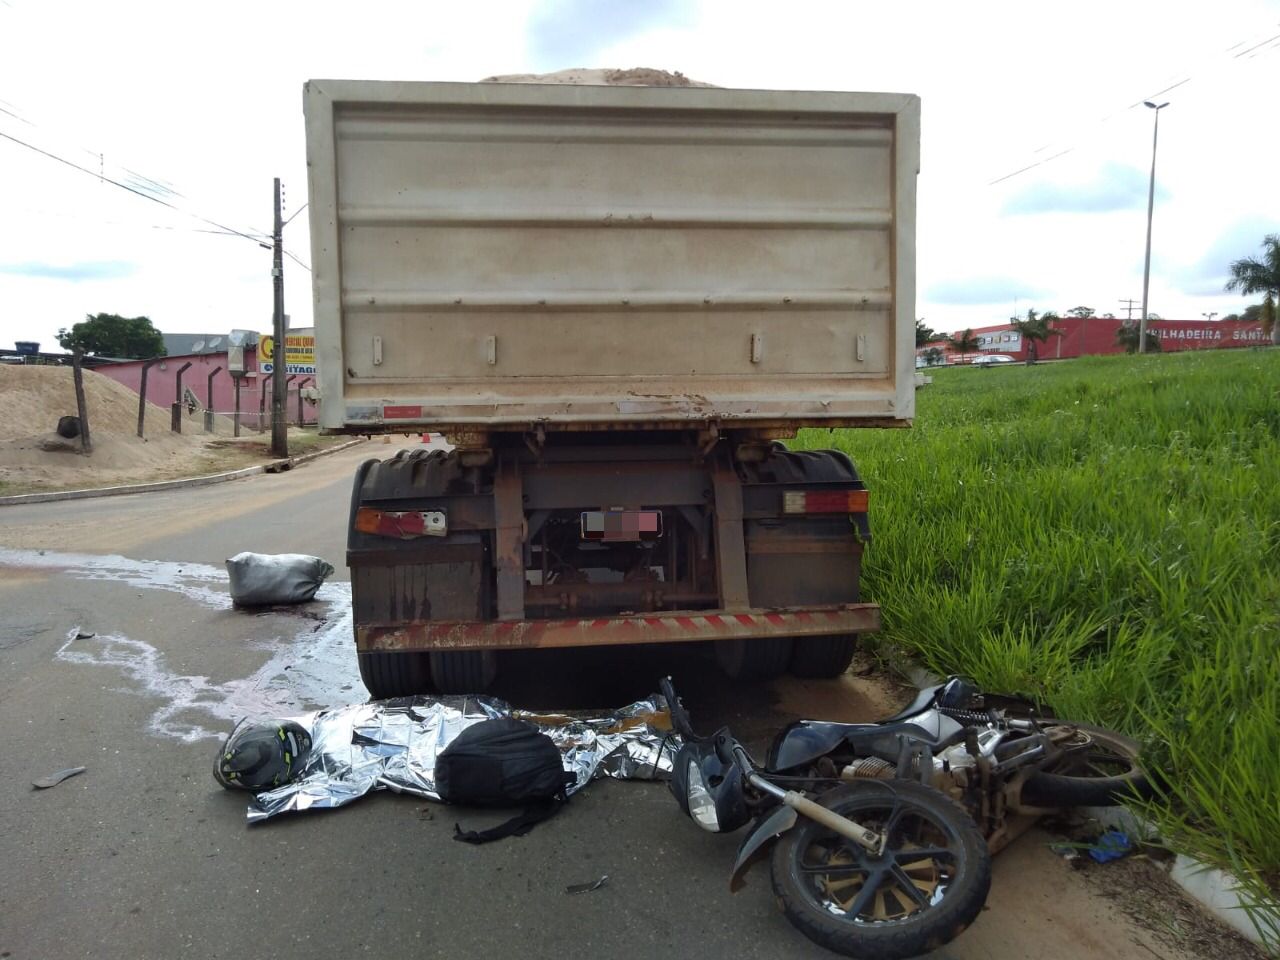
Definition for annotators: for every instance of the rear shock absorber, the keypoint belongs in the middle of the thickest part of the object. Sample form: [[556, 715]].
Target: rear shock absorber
[[967, 717]]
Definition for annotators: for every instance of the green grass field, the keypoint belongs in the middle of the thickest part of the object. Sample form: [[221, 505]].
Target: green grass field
[[1105, 534]]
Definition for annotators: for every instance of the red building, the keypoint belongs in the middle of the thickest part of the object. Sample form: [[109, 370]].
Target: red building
[[1081, 336]]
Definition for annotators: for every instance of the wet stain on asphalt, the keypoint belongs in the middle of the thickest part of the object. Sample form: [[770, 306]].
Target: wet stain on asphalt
[[310, 661]]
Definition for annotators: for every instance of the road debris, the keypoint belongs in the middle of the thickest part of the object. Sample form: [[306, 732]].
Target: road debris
[[263, 580], [1070, 853], [53, 779], [587, 887], [1112, 845]]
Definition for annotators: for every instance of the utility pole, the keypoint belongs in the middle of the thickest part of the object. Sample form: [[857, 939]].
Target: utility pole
[[1151, 202], [1128, 306], [279, 423]]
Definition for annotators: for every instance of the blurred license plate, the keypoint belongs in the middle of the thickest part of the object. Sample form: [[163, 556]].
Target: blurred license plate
[[621, 524]]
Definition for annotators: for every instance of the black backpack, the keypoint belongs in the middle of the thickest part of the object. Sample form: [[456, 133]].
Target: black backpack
[[502, 763]]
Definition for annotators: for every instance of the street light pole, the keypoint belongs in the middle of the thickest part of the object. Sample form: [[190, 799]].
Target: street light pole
[[1151, 201]]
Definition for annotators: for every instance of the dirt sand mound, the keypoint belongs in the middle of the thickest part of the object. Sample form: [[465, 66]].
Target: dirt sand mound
[[33, 456], [635, 77], [34, 397]]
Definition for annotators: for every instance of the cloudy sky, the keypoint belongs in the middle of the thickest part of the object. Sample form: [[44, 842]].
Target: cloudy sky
[[199, 106]]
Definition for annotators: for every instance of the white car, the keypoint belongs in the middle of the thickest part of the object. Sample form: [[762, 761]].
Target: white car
[[990, 359]]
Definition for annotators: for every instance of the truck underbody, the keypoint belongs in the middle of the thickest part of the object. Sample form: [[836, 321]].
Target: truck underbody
[[581, 539]]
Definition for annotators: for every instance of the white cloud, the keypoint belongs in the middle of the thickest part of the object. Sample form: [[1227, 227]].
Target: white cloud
[[1113, 186], [975, 290]]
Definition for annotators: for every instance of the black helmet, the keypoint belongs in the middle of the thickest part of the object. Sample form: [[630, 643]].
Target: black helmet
[[262, 756]]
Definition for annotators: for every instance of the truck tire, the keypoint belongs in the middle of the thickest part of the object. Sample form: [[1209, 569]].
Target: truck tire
[[802, 579], [399, 589], [464, 671], [759, 658], [387, 675], [823, 657]]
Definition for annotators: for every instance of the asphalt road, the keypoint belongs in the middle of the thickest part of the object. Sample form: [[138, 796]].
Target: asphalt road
[[144, 856]]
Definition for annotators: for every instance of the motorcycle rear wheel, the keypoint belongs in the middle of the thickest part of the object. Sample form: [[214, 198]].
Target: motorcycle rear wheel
[[1103, 774], [927, 887]]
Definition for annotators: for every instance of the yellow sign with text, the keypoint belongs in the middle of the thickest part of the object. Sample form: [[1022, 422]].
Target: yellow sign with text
[[299, 350]]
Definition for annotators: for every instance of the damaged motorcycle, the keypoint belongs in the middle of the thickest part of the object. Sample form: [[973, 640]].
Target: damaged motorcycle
[[1006, 760], [878, 867]]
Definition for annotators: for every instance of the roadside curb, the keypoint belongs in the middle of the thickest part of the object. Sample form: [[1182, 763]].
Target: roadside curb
[[276, 466], [1215, 890]]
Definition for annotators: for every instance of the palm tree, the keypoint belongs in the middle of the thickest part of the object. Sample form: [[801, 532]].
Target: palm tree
[[924, 333], [966, 341], [1252, 275], [933, 357], [1035, 329]]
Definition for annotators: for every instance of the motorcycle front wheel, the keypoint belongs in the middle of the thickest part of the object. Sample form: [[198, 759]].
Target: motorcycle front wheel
[[921, 892]]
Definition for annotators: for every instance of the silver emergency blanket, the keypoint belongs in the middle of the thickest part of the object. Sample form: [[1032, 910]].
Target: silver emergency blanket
[[393, 745], [266, 579]]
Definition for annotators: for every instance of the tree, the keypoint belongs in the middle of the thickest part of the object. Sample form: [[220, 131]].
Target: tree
[[1035, 329], [966, 341], [111, 335], [1084, 313], [924, 334], [1252, 275], [1108, 316], [1253, 313], [1127, 337], [1258, 313], [933, 357]]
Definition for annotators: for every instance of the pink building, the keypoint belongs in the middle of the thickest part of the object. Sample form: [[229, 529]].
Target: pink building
[[255, 388]]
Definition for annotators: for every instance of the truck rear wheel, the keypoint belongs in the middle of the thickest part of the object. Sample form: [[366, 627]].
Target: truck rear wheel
[[808, 559], [387, 675], [464, 671], [823, 657], [760, 658]]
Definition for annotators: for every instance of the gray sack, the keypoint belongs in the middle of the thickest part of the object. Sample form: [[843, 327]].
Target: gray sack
[[261, 579]]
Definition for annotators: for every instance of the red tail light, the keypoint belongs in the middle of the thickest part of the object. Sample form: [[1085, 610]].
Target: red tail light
[[824, 501], [403, 524]]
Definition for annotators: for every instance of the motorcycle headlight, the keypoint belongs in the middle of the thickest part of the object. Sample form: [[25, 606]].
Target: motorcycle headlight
[[702, 806]]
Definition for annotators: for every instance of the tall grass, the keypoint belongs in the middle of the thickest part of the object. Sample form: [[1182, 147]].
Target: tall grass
[[1105, 534]]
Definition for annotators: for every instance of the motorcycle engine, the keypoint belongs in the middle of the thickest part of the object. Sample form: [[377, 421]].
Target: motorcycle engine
[[868, 767]]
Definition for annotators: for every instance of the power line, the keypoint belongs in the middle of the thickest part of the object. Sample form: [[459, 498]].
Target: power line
[[294, 214], [297, 261], [124, 186], [18, 117], [1249, 52]]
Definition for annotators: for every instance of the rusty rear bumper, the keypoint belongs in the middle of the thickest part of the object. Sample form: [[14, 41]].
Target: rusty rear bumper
[[672, 627]]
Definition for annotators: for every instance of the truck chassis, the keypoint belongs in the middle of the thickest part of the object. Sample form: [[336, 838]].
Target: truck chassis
[[458, 555]]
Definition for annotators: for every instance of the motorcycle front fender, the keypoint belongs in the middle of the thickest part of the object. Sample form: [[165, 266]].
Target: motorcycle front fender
[[766, 830]]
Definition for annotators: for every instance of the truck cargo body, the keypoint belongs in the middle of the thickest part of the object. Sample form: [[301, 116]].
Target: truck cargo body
[[612, 300]]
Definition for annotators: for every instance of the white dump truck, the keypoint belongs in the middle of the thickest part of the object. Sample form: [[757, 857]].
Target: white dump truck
[[614, 302]]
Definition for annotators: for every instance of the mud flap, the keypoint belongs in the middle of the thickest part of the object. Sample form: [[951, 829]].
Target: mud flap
[[757, 842]]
